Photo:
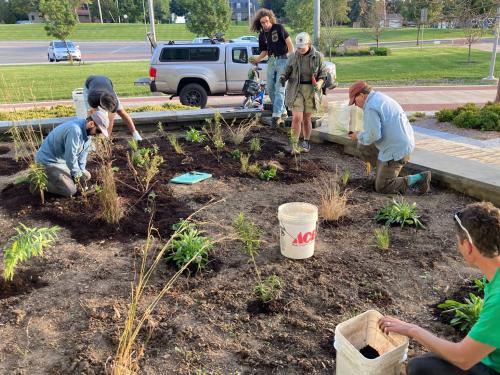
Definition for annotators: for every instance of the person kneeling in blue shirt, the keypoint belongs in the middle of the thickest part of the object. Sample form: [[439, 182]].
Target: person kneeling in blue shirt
[[64, 152], [386, 141]]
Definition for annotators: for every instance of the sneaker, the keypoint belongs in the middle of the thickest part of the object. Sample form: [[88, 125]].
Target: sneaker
[[305, 145], [424, 185]]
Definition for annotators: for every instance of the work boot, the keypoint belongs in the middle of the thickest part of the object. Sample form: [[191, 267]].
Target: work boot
[[305, 145], [424, 185]]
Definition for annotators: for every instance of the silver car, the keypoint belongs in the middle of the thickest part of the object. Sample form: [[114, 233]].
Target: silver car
[[60, 50]]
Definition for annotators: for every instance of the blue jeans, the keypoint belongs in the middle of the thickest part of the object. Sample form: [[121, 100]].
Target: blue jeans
[[276, 67]]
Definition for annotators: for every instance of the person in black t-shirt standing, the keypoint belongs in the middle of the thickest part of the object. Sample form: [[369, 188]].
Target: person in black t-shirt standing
[[275, 43], [98, 92]]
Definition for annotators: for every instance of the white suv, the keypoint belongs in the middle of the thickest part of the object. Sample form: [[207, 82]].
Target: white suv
[[60, 50]]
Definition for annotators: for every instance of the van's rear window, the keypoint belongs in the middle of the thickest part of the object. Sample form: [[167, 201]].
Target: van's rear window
[[189, 54]]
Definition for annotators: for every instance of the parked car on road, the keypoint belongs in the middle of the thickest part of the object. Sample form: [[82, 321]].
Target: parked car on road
[[245, 38], [61, 50]]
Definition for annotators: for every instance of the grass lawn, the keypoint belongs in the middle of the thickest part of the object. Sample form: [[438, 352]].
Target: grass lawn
[[114, 31], [429, 65]]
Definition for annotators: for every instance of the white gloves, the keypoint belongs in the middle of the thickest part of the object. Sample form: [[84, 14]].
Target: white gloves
[[136, 136]]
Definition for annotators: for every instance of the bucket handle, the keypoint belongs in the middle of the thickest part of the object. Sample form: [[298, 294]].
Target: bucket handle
[[283, 230]]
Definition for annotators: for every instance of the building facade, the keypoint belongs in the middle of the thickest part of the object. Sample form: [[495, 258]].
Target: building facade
[[240, 9]]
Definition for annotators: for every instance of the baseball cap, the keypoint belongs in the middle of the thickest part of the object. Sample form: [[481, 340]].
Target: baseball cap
[[355, 89], [302, 40], [101, 120]]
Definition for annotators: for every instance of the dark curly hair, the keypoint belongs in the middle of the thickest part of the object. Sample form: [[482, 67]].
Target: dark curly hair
[[482, 221], [263, 12]]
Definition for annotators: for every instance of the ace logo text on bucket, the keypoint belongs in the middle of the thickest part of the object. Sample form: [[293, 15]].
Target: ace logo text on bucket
[[304, 238]]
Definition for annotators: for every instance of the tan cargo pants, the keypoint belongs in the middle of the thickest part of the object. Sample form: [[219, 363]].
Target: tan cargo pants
[[387, 180]]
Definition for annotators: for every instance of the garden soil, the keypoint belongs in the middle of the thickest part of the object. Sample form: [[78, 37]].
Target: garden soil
[[64, 312]]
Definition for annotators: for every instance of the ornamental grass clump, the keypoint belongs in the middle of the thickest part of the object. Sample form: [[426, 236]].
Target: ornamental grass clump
[[400, 213], [27, 243], [382, 238], [332, 198]]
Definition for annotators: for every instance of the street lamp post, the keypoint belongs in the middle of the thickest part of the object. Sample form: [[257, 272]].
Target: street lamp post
[[152, 20], [491, 77], [100, 11], [316, 22]]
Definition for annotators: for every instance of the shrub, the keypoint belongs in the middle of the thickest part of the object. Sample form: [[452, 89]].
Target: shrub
[[38, 180], [147, 161], [247, 233], [268, 289], [467, 119], [472, 107], [380, 51], [400, 213], [466, 314], [235, 154], [190, 246], [489, 119], [445, 115], [28, 242]]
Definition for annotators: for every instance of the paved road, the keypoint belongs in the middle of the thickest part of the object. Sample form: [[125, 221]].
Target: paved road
[[36, 52]]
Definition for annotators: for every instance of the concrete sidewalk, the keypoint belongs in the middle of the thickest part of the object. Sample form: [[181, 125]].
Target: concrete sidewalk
[[411, 98]]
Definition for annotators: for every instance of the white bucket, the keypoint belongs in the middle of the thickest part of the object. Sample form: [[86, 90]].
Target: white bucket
[[342, 118], [360, 331], [298, 228], [80, 104]]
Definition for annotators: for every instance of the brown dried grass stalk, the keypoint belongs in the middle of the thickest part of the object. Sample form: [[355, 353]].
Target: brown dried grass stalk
[[238, 133], [129, 352], [332, 199]]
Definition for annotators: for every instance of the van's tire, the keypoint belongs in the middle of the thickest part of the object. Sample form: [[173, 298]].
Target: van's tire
[[194, 94]]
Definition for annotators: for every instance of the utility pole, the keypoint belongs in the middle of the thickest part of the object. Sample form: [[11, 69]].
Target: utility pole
[[249, 13], [316, 22], [99, 7], [118, 11], [152, 19], [491, 77]]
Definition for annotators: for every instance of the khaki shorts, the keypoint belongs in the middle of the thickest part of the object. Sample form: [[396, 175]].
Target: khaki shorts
[[304, 102]]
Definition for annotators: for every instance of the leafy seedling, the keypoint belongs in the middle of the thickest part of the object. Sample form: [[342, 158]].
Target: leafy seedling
[[27, 243], [269, 289], [190, 246], [400, 213], [465, 314], [268, 173], [235, 154], [195, 136], [255, 146]]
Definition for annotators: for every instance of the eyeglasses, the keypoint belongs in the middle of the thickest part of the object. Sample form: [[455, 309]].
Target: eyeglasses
[[457, 219]]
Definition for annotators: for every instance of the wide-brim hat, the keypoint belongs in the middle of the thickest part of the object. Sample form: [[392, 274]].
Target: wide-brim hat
[[101, 120], [355, 89]]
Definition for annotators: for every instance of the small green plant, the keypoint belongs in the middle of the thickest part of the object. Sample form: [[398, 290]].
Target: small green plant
[[175, 144], [244, 161], [268, 173], [38, 180], [269, 289], [400, 213], [144, 163], [465, 314], [214, 133], [479, 285], [190, 246], [235, 154], [255, 146], [470, 116], [195, 136], [345, 177], [27, 243], [382, 238], [247, 233], [445, 115]]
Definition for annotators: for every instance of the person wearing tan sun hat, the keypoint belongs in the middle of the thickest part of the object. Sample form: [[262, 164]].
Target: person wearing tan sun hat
[[386, 141], [64, 152], [306, 73]]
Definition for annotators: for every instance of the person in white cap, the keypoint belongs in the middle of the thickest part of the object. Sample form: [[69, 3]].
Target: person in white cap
[[64, 152], [99, 92], [305, 72]]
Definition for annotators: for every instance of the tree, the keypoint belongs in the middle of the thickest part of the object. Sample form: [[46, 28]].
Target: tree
[[162, 10], [300, 15], [60, 19], [412, 12], [277, 6], [208, 17], [375, 19], [333, 13], [177, 8], [498, 92]]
